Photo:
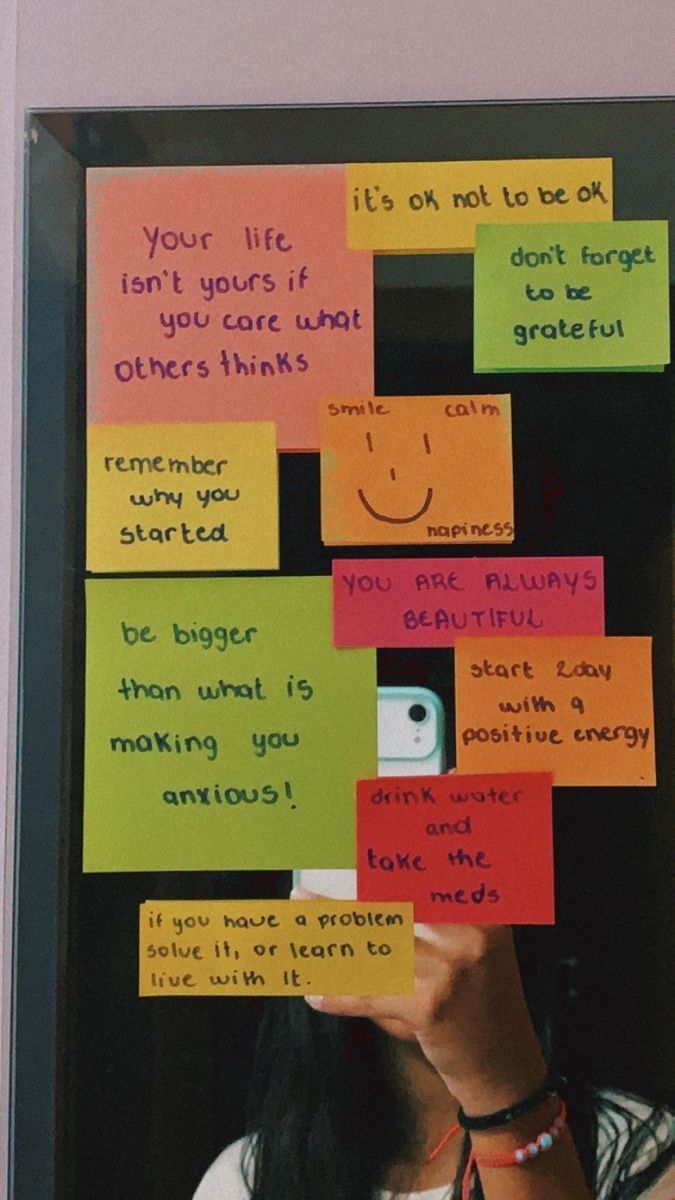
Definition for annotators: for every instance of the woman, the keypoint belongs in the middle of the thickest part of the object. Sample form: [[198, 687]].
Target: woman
[[443, 1094]]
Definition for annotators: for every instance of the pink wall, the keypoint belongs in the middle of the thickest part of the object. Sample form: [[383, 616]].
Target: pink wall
[[80, 53], [94, 52]]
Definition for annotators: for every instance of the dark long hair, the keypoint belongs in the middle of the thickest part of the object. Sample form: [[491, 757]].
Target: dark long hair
[[328, 1117]]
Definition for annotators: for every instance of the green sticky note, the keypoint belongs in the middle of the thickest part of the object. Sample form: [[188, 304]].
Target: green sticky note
[[224, 731], [581, 297]]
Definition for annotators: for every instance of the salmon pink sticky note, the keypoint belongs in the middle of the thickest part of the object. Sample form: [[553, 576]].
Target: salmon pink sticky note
[[224, 294], [466, 849]]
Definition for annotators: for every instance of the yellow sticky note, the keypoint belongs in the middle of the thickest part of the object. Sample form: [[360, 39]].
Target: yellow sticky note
[[182, 497], [435, 206], [579, 707], [275, 948], [423, 470]]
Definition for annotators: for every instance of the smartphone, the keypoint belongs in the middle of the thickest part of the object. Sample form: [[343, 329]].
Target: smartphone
[[410, 741], [410, 732]]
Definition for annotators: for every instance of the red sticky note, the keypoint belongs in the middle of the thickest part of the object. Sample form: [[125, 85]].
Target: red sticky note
[[224, 294], [466, 849], [433, 601]]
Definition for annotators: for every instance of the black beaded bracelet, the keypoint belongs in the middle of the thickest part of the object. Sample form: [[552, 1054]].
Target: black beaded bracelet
[[550, 1087]]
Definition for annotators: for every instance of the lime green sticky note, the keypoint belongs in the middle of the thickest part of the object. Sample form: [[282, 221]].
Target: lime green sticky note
[[591, 296], [224, 731]]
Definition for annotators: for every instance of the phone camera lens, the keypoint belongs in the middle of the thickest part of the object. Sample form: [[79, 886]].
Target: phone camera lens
[[417, 713]]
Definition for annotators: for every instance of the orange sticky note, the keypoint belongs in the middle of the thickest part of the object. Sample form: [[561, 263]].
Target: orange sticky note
[[579, 707], [275, 948], [182, 497], [423, 470], [224, 294]]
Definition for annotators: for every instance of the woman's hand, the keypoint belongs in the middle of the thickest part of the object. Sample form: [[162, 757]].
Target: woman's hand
[[467, 1013]]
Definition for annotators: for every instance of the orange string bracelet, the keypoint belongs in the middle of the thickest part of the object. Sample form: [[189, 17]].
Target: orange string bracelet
[[444, 1140], [515, 1158]]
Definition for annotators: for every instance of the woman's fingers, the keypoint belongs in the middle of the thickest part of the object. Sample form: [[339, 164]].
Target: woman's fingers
[[447, 958], [444, 938], [342, 1006], [301, 893], [381, 1008], [352, 1006]]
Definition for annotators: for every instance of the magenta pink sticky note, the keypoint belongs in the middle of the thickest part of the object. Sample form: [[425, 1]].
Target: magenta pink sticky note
[[433, 601]]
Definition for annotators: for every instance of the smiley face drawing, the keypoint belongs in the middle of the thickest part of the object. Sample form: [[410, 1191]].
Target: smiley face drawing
[[416, 470], [378, 516]]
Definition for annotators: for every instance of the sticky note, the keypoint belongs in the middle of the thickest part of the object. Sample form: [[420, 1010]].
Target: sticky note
[[224, 294], [433, 601], [466, 849], [416, 469], [275, 948], [571, 297], [408, 206], [223, 731], [182, 497], [579, 707]]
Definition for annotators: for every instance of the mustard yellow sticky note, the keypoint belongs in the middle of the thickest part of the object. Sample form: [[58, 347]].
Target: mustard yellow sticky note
[[182, 497], [275, 948], [422, 470], [408, 206], [579, 707]]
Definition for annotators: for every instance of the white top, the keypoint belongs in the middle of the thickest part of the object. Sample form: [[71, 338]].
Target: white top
[[224, 1180]]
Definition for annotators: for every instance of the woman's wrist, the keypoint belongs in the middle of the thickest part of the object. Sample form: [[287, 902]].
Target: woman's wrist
[[501, 1083], [481, 1122], [523, 1131]]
